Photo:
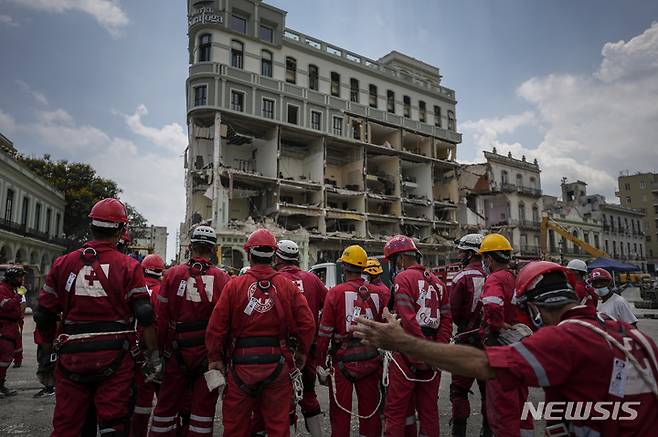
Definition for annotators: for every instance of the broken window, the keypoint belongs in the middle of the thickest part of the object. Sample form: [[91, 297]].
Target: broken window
[[451, 120]]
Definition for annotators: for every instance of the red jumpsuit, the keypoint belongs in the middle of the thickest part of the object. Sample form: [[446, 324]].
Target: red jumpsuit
[[248, 331], [186, 300], [314, 291], [586, 294], [573, 363], [504, 404], [144, 391], [10, 315], [423, 304], [466, 307], [18, 352], [356, 365], [75, 288]]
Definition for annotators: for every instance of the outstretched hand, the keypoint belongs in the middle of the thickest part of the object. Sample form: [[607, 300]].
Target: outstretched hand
[[389, 335]]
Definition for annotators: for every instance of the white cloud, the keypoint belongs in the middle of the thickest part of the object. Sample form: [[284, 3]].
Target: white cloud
[[593, 125], [108, 13], [170, 135], [7, 122], [151, 181], [8, 21], [38, 96]]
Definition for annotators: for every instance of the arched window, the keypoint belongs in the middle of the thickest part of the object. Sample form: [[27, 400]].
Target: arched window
[[521, 211], [291, 70], [266, 63], [504, 177], [237, 54], [335, 84], [313, 77], [205, 45]]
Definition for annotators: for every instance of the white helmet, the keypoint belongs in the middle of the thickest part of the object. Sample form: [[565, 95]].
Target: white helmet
[[470, 242], [577, 265], [204, 234], [287, 250], [244, 270]]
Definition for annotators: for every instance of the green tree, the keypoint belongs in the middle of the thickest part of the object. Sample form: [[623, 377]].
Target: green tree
[[82, 187]]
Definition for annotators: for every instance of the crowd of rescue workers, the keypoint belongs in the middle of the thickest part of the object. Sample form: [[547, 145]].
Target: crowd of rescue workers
[[134, 351]]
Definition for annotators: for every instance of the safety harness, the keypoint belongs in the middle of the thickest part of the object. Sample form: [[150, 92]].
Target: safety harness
[[428, 333], [84, 337], [265, 289], [354, 351], [187, 329], [565, 428]]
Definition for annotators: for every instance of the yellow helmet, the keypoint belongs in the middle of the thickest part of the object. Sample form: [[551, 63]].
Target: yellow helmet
[[495, 242], [373, 267], [355, 256]]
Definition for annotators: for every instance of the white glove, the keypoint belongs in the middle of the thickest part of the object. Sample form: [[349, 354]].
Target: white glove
[[514, 334]]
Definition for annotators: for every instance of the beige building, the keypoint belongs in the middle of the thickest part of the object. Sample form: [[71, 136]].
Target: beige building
[[582, 226], [640, 192], [503, 195], [150, 239], [623, 235], [319, 144], [32, 215]]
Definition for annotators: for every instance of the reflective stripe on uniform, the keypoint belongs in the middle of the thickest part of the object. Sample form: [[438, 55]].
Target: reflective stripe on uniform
[[526, 432], [492, 299], [199, 430], [163, 428], [200, 418], [48, 289], [106, 430], [162, 299], [164, 419], [143, 410], [410, 420], [530, 358], [5, 363], [137, 290], [463, 273]]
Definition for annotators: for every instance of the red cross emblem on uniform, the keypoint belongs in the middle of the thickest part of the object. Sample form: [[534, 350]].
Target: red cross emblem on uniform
[[432, 301], [91, 277]]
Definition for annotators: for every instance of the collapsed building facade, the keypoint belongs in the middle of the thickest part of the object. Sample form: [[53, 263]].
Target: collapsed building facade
[[318, 144]]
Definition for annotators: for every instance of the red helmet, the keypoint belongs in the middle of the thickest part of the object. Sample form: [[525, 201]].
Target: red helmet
[[261, 238], [108, 213], [545, 283], [398, 244], [153, 264], [599, 274]]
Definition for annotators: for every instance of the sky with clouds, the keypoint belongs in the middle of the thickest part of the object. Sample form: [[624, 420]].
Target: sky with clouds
[[573, 84]]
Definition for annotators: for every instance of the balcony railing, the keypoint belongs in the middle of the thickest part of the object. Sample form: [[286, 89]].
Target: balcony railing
[[21, 229], [529, 250], [514, 188]]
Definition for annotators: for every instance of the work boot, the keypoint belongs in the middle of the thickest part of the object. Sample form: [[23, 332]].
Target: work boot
[[485, 431], [314, 425], [45, 392], [459, 428], [6, 392]]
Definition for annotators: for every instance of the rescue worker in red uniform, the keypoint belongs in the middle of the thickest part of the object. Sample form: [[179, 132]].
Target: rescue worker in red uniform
[[466, 307], [422, 302], [18, 352], [602, 371], [10, 315], [585, 292], [353, 365], [186, 299], [248, 340], [374, 273], [153, 266], [286, 261], [504, 404], [96, 292]]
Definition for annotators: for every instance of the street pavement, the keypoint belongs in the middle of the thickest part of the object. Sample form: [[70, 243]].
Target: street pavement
[[22, 415]]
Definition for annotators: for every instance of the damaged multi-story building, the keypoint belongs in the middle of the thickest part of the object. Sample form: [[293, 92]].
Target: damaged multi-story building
[[317, 143]]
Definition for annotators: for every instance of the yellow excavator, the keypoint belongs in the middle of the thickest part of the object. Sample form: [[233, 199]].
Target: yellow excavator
[[547, 223]]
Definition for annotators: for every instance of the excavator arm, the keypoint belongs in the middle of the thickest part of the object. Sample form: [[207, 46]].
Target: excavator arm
[[547, 224]]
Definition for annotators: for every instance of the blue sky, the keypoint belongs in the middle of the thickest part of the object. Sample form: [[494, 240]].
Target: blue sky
[[572, 84]]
